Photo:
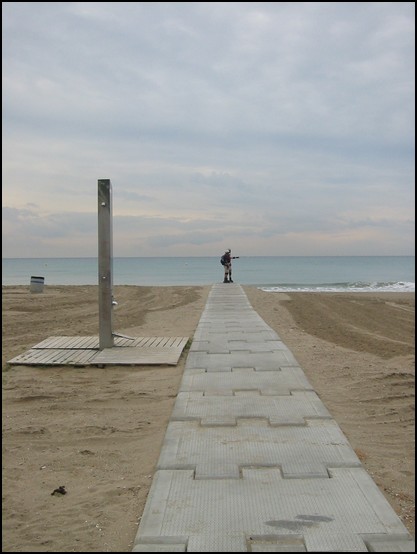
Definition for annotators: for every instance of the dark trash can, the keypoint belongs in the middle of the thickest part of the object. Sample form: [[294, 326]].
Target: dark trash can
[[36, 283]]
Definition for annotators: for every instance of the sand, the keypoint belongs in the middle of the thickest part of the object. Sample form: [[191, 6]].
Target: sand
[[98, 431]]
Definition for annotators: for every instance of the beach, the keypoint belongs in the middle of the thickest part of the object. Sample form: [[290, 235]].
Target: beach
[[98, 432]]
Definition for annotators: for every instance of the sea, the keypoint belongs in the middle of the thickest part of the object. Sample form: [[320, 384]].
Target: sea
[[269, 273]]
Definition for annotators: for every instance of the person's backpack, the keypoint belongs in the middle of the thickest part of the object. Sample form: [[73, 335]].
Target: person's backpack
[[222, 260]]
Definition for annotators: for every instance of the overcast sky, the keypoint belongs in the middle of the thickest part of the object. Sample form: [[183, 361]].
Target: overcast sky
[[272, 128]]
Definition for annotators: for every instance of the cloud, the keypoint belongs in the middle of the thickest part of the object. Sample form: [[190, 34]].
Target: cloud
[[251, 122]]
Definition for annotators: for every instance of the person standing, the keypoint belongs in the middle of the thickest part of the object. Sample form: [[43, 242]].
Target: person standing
[[227, 263]]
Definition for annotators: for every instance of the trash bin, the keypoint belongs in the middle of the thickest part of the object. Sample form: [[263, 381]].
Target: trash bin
[[36, 283]]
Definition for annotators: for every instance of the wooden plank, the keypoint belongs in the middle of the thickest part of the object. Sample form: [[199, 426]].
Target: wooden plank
[[84, 351], [73, 342], [83, 357], [51, 342], [59, 356], [81, 342], [93, 342], [68, 342], [122, 341], [137, 356], [140, 341], [50, 356]]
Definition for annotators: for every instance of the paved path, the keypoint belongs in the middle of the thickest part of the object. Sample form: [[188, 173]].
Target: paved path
[[252, 461]]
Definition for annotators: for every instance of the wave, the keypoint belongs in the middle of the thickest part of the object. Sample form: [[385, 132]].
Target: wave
[[399, 286]]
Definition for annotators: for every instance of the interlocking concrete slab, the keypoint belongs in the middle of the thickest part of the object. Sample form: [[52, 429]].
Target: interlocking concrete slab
[[279, 410], [279, 382], [218, 452], [257, 360], [224, 515], [261, 335], [252, 461], [226, 346]]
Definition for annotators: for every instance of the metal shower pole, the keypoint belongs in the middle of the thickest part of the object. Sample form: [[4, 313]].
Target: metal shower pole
[[105, 263]]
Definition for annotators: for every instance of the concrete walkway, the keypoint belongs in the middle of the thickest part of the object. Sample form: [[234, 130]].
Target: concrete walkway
[[252, 461]]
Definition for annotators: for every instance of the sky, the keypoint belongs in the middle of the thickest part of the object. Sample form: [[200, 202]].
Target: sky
[[271, 128]]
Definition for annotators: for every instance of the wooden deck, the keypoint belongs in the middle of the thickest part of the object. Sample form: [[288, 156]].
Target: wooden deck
[[84, 351]]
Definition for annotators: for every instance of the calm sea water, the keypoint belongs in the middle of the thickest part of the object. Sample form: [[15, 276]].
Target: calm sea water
[[271, 273]]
